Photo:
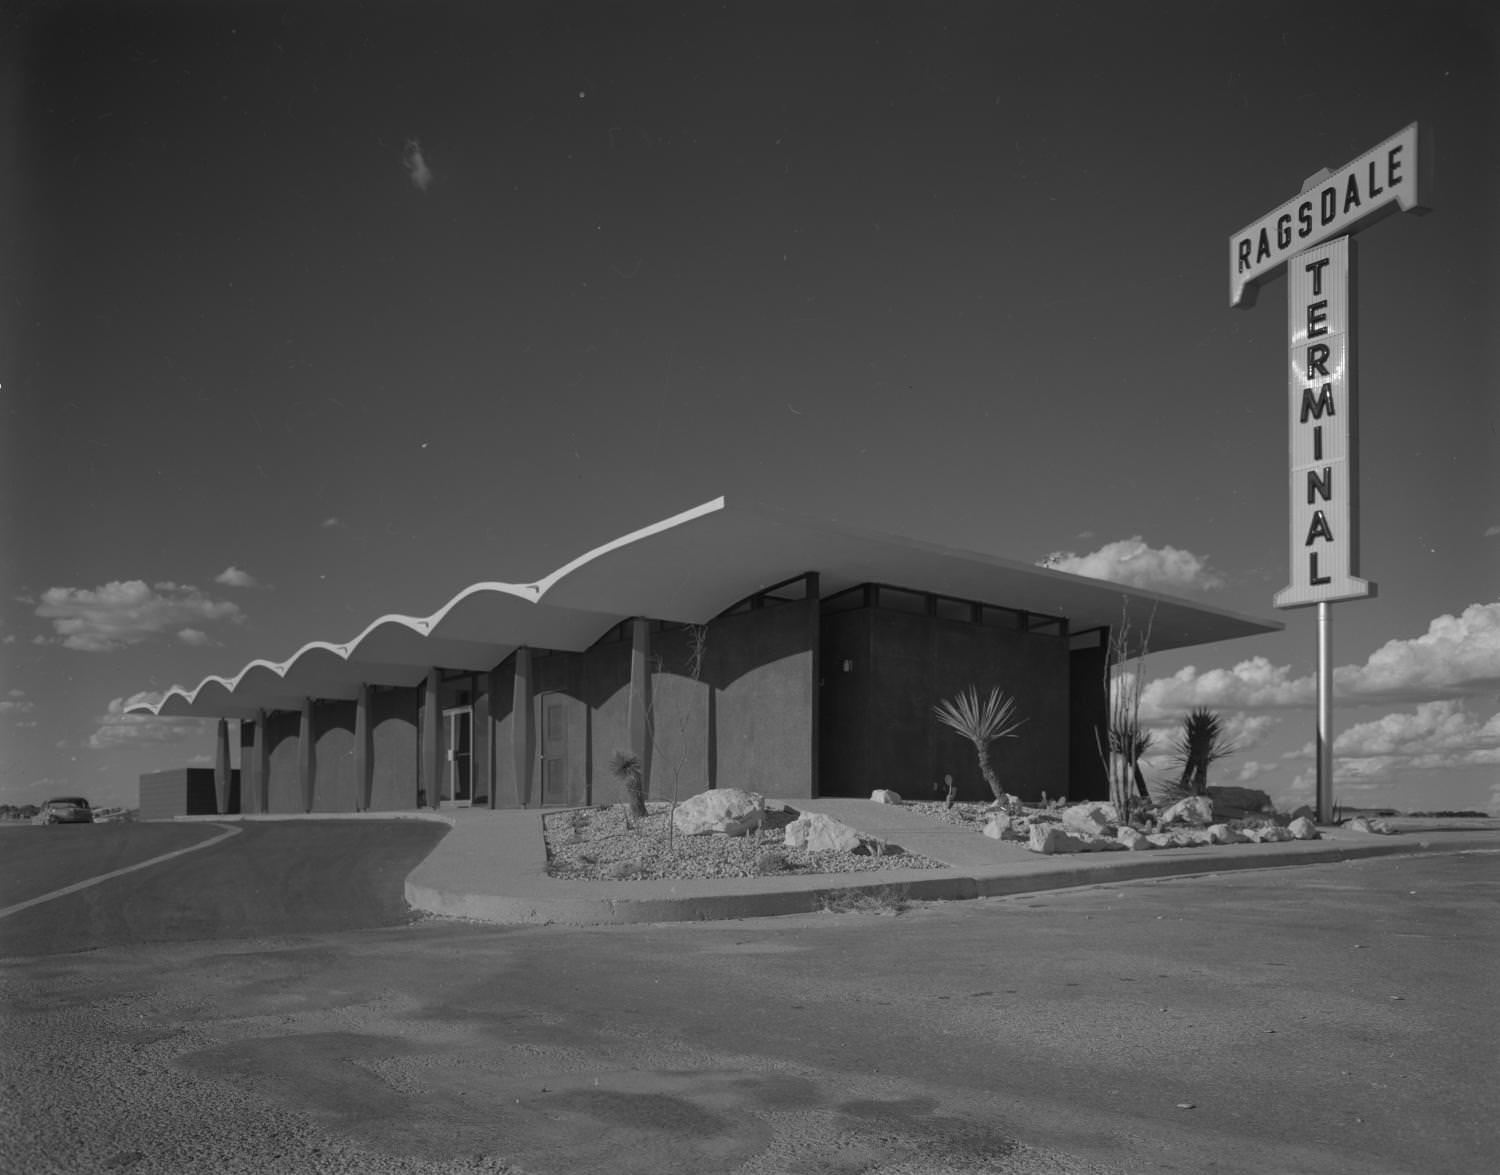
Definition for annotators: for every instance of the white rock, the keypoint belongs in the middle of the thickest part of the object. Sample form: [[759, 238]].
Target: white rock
[[1092, 818], [1371, 825], [1303, 829], [1003, 827], [818, 833], [1274, 834], [728, 810], [1222, 834], [1050, 838], [1134, 839], [1198, 810], [1299, 813], [884, 796]]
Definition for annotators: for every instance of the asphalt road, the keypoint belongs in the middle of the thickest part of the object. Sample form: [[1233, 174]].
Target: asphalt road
[[278, 877], [1323, 1019]]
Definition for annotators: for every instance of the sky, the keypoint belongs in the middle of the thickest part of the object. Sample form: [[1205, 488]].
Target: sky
[[315, 312]]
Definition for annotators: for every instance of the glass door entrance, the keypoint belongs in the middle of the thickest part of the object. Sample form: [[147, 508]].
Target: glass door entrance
[[458, 734]]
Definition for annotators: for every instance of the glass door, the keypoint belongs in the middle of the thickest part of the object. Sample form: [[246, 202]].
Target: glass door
[[458, 731]]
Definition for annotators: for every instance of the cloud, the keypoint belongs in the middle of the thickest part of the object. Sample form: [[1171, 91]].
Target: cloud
[[125, 613], [232, 576], [1457, 657], [1435, 736], [195, 637], [329, 523], [117, 729], [416, 165], [1491, 531], [1131, 561], [16, 702]]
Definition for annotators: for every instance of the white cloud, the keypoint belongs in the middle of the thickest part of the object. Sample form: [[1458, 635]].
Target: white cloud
[[1457, 657], [1131, 561], [194, 636], [331, 522], [117, 729], [1491, 531], [233, 576], [16, 702], [416, 165], [119, 613]]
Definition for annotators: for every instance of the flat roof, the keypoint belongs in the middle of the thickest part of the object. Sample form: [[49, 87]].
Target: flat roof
[[687, 569]]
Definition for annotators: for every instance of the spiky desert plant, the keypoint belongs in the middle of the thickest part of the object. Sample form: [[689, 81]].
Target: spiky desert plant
[[982, 725], [1200, 743], [625, 766]]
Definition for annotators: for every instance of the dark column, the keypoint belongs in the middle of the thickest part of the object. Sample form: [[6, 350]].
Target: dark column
[[522, 727], [221, 768], [306, 744], [482, 764], [432, 741], [815, 642], [364, 758], [640, 696], [261, 788]]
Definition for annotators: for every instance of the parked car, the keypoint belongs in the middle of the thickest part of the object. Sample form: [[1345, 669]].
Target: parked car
[[66, 810]]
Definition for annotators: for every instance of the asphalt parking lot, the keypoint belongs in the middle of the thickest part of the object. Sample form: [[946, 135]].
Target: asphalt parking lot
[[1329, 1018]]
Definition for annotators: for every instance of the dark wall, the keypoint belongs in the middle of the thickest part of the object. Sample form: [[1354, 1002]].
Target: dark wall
[[393, 742], [1088, 720], [761, 665], [505, 792], [879, 729], [185, 791], [607, 691], [335, 784], [284, 788]]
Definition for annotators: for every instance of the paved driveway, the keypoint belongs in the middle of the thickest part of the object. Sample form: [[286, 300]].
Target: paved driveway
[[1324, 1019]]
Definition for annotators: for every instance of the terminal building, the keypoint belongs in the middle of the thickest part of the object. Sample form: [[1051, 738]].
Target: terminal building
[[731, 645]]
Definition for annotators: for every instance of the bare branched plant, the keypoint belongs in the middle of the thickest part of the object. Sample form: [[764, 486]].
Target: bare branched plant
[[1123, 744]]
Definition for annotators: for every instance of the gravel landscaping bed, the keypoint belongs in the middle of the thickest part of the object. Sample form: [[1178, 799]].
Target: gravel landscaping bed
[[595, 844], [961, 813]]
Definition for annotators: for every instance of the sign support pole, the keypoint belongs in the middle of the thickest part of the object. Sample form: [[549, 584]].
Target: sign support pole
[[1325, 712]]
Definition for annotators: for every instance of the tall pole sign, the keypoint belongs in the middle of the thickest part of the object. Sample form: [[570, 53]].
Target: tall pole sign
[[1308, 237]]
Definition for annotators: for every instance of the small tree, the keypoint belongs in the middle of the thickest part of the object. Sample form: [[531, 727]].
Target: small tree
[[1200, 743], [982, 725]]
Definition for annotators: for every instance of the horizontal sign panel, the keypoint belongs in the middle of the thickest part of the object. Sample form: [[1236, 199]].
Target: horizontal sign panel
[[1383, 176], [1320, 401]]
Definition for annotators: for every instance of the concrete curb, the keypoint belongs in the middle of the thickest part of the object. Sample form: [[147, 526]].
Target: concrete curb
[[772, 896]]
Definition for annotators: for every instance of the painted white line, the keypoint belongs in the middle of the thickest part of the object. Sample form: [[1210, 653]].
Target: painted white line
[[229, 830]]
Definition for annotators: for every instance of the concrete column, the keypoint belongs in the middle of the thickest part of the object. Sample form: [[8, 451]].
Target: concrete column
[[221, 768], [523, 727], [306, 759], [260, 789], [639, 711], [364, 758], [432, 741]]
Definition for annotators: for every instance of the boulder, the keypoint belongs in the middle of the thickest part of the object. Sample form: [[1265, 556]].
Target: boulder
[[1270, 834], [1092, 818], [884, 796], [1368, 824], [1134, 839], [818, 833], [1236, 803], [1179, 838], [1003, 827], [1303, 829], [1049, 838], [1301, 812], [728, 810], [1195, 810], [1222, 834]]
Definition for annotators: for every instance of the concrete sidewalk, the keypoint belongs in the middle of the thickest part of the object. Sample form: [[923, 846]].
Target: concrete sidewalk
[[493, 868]]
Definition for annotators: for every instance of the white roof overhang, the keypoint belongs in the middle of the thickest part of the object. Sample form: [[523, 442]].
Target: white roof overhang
[[688, 568]]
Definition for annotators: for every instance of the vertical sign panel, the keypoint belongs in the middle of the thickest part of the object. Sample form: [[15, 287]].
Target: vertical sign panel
[[1324, 542]]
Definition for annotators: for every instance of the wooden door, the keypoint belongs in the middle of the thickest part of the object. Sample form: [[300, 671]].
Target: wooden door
[[553, 750]]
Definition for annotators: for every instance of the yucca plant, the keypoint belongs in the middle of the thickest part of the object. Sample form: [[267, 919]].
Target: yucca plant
[[1201, 742], [982, 725], [625, 766]]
